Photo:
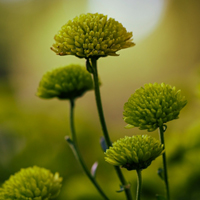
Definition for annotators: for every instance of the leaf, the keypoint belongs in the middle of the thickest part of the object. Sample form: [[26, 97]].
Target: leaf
[[103, 144], [160, 197], [94, 169], [161, 173], [121, 189], [68, 139], [72, 146]]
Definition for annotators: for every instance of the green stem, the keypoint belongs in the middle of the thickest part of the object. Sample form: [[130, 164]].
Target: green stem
[[139, 184], [161, 132], [103, 124], [77, 152]]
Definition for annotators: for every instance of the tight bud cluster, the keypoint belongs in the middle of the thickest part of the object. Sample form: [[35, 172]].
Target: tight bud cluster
[[91, 35], [136, 152], [67, 82], [33, 183], [153, 105]]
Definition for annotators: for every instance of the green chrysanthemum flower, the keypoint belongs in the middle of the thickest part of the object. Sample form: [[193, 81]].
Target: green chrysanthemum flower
[[33, 183], [152, 106], [67, 82], [136, 152], [92, 35]]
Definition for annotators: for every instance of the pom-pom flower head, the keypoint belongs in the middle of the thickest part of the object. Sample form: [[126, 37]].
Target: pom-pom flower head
[[33, 183], [153, 105], [67, 82], [92, 35], [134, 153]]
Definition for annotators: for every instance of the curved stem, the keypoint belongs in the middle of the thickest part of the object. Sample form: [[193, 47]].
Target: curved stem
[[103, 124], [139, 184], [77, 152], [161, 132], [99, 104]]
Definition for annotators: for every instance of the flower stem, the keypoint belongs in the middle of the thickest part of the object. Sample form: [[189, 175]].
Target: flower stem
[[161, 132], [77, 152], [139, 184], [103, 124]]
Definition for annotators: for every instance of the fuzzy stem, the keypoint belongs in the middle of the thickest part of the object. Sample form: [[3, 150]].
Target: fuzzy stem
[[161, 132], [77, 152], [103, 124], [139, 184]]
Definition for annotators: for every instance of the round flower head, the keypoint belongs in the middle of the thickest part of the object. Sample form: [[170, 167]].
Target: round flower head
[[92, 35], [136, 152], [152, 106], [32, 183], [67, 82]]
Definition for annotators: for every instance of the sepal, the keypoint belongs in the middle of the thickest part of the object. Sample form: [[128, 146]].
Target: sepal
[[103, 144]]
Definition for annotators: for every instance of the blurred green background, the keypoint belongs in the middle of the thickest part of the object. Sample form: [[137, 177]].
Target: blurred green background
[[32, 130]]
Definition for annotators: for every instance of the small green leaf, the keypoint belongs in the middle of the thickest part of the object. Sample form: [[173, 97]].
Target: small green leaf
[[161, 173], [121, 189], [124, 187], [94, 169], [68, 139], [72, 146], [160, 197]]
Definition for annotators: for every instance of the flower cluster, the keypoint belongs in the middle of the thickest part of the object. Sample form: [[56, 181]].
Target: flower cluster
[[92, 35], [136, 152], [32, 183], [66, 82], [152, 106]]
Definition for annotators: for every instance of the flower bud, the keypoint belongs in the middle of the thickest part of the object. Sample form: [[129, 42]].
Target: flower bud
[[152, 106], [134, 153], [91, 35], [30, 184], [67, 82]]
